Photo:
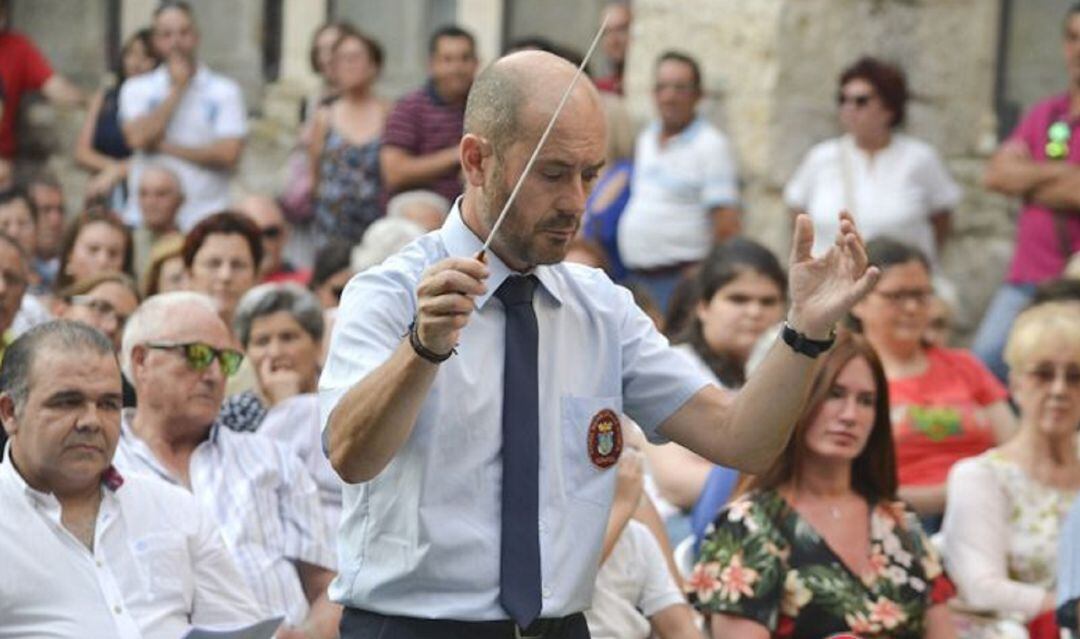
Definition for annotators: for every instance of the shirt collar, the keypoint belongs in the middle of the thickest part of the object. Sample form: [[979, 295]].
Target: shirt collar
[[460, 241], [140, 448], [682, 137], [11, 479]]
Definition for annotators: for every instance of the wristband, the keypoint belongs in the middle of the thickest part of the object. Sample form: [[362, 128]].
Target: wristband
[[424, 351], [800, 343]]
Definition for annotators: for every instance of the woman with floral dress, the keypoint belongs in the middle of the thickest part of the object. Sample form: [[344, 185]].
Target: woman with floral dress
[[819, 543], [1007, 506]]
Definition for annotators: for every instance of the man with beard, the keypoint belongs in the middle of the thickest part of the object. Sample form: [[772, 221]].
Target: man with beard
[[473, 406], [185, 117]]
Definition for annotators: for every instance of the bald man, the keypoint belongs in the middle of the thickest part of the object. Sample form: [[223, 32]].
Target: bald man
[[473, 407], [266, 213]]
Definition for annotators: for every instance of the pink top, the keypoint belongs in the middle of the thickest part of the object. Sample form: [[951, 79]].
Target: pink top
[[1038, 256]]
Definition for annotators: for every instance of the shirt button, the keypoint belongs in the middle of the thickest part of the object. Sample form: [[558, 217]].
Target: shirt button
[[99, 564], [116, 609], [546, 592]]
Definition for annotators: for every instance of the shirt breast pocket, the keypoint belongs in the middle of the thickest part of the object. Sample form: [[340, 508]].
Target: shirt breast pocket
[[165, 565], [591, 445]]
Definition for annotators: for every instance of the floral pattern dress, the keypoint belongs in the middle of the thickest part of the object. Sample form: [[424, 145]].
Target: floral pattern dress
[[762, 561]]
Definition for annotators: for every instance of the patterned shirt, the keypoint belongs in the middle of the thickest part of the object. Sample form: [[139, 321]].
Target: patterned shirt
[[264, 501], [422, 123]]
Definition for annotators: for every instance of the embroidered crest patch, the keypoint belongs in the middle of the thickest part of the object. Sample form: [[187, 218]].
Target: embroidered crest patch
[[605, 439]]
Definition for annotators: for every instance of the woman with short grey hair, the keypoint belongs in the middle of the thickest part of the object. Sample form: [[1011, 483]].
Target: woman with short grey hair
[[280, 327]]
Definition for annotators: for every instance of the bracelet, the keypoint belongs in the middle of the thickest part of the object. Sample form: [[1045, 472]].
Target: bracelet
[[424, 351], [800, 343]]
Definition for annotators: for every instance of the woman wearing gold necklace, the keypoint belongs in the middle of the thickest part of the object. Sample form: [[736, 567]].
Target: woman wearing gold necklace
[[819, 543]]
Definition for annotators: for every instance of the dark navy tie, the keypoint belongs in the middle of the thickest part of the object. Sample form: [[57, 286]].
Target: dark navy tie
[[519, 557]]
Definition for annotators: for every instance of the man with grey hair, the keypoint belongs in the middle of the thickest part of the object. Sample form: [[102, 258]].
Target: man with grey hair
[[178, 353], [160, 196], [472, 406], [87, 552]]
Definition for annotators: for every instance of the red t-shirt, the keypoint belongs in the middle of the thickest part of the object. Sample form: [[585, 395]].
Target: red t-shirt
[[22, 69], [939, 418]]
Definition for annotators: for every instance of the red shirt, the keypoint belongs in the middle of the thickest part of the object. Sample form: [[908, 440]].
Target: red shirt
[[22, 70], [938, 417]]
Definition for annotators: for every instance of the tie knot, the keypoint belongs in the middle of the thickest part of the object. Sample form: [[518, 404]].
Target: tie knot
[[517, 289]]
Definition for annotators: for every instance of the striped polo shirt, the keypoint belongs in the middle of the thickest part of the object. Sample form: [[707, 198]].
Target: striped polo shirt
[[422, 123]]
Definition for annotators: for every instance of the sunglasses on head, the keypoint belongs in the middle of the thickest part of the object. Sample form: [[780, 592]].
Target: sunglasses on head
[[859, 100], [200, 355], [1058, 136]]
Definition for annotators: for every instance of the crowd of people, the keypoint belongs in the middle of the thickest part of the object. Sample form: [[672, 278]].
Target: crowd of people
[[169, 366]]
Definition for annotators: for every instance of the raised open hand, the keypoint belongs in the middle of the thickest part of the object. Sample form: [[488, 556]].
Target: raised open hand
[[824, 289]]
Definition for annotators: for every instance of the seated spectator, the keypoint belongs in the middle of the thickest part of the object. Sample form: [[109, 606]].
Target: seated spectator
[[104, 302], [221, 254], [946, 405], [424, 208], [185, 116], [420, 144], [18, 219], [281, 329], [589, 253], [94, 242], [345, 141], [742, 291], [165, 271], [101, 148], [331, 273], [88, 552], [684, 193], [784, 559], [938, 331], [1006, 507], [14, 275], [48, 198], [160, 199], [23, 70], [635, 597], [383, 239], [892, 184], [178, 353], [267, 216]]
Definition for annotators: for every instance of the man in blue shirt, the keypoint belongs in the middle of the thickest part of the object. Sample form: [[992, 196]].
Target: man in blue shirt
[[472, 406]]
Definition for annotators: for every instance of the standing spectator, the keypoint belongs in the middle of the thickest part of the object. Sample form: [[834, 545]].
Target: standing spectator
[[345, 142], [894, 185], [615, 42], [610, 195], [684, 194], [101, 148], [946, 405], [48, 198], [88, 552], [95, 242], [184, 116], [266, 214], [177, 353], [321, 55], [1037, 163], [22, 70], [160, 198], [1007, 506], [420, 145]]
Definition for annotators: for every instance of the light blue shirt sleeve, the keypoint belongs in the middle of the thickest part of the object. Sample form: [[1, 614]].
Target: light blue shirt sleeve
[[1069, 557]]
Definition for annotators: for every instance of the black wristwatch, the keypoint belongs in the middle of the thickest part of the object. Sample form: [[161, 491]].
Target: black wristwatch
[[802, 344], [424, 351]]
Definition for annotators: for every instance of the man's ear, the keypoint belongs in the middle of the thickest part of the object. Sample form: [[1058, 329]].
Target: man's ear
[[7, 414], [473, 151], [138, 357]]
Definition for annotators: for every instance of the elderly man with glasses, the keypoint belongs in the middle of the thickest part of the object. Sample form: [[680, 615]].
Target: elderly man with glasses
[[178, 353]]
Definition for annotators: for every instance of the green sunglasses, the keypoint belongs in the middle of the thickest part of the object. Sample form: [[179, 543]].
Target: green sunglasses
[[1058, 136], [199, 355]]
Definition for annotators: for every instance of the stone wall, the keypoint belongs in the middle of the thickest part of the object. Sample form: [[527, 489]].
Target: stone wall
[[770, 70]]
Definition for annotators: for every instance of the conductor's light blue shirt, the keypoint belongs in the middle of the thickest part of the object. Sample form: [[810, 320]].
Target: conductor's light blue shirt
[[422, 538]]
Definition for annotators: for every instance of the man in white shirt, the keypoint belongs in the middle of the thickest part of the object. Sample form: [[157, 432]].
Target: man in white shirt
[[684, 194], [86, 552], [184, 116], [177, 353]]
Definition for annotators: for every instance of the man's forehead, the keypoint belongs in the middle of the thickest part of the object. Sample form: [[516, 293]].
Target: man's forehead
[[83, 369]]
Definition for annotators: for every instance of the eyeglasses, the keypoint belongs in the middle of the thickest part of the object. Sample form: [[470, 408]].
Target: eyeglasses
[[1058, 136], [200, 355], [100, 307], [859, 100], [1045, 375], [272, 232], [899, 296]]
